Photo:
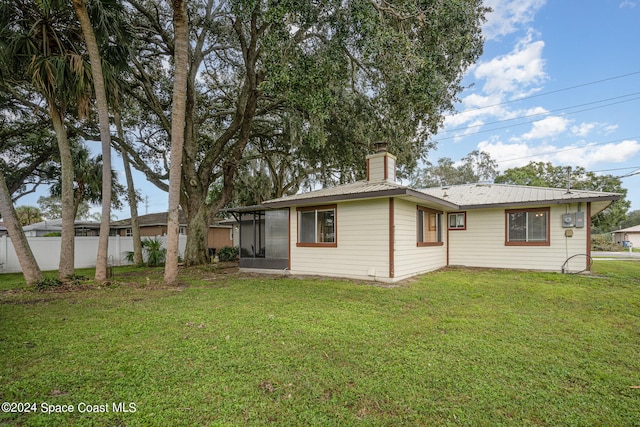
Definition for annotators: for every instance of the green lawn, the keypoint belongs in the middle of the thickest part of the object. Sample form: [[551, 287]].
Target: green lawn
[[454, 347]]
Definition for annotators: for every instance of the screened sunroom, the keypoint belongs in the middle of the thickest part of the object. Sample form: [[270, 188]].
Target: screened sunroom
[[264, 237]]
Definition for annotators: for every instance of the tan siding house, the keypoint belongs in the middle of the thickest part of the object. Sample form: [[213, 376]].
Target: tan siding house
[[362, 252], [411, 259], [628, 237], [481, 246], [379, 230], [152, 225]]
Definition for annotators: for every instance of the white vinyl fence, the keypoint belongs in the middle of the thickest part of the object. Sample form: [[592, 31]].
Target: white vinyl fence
[[47, 252]]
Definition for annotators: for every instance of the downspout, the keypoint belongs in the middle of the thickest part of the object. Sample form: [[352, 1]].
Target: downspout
[[238, 218], [289, 240], [392, 237], [588, 266], [446, 215]]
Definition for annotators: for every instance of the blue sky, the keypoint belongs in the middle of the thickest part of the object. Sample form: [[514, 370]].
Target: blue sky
[[559, 82]]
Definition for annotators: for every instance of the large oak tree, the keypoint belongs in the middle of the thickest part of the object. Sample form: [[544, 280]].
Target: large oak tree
[[342, 74]]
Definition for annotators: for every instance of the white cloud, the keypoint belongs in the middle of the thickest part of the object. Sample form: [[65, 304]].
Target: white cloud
[[614, 152], [511, 155], [525, 114], [509, 16], [547, 127], [515, 71], [627, 4], [508, 155], [473, 127], [505, 77], [583, 129], [474, 108], [479, 101], [610, 129]]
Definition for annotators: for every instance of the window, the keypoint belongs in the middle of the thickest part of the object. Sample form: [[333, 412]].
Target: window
[[317, 226], [429, 230], [527, 227], [128, 232], [458, 221]]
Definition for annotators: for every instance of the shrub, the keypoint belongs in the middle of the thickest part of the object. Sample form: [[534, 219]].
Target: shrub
[[47, 283], [228, 253], [155, 253], [603, 242]]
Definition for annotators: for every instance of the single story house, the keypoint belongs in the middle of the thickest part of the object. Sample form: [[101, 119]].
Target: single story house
[[377, 229], [49, 227], [155, 224], [631, 234]]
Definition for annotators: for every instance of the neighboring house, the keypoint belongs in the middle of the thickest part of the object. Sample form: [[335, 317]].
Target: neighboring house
[[235, 229], [631, 234], [40, 229], [377, 229], [218, 236]]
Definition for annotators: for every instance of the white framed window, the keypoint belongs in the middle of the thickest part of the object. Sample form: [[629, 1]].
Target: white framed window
[[457, 221]]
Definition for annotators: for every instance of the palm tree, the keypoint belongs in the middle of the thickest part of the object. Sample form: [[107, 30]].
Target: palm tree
[[181, 61], [28, 264], [87, 181], [132, 197], [41, 46], [82, 13], [28, 214]]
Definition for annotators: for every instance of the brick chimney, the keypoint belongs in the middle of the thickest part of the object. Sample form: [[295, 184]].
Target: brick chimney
[[381, 166]]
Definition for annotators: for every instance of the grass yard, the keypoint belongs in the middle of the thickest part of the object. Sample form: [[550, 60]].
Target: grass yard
[[454, 347]]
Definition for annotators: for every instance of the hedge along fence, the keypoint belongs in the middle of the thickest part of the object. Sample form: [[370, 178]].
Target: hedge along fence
[[46, 250]]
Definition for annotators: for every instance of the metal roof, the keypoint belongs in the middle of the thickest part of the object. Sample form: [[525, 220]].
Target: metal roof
[[470, 196], [357, 188], [467, 196], [354, 191]]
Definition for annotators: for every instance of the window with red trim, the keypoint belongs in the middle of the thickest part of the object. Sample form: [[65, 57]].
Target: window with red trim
[[429, 228], [527, 227], [317, 226], [457, 221]]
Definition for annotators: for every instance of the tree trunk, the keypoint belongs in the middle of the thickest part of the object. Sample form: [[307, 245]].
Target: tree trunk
[[132, 196], [181, 61], [105, 136], [28, 263], [67, 240], [196, 252]]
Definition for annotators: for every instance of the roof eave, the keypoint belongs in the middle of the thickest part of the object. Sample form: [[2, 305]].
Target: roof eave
[[432, 199], [320, 200], [609, 198], [245, 209]]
